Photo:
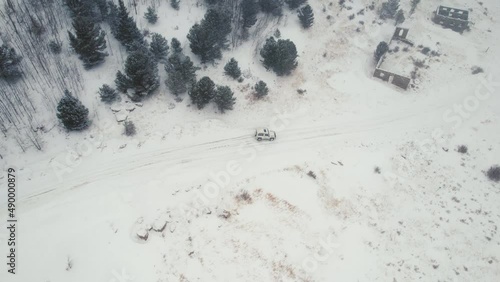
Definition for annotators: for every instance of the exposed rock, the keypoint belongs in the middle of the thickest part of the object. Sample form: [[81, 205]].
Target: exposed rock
[[159, 225], [171, 106], [172, 227], [129, 107], [225, 214], [115, 108], [143, 234], [121, 117]]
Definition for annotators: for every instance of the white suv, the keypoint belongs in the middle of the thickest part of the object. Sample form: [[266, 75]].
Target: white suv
[[264, 134]]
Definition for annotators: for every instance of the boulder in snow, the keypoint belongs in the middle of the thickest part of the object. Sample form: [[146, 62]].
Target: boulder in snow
[[115, 108], [143, 234], [121, 117], [172, 227], [129, 107]]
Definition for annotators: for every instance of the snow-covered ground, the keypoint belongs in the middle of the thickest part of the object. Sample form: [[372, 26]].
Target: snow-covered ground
[[216, 205]]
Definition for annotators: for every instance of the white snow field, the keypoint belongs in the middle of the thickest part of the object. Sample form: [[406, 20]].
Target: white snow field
[[216, 205]]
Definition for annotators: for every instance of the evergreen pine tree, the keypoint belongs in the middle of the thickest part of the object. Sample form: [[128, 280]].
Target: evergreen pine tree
[[103, 9], [175, 4], [224, 98], [382, 48], [249, 10], [129, 128], [88, 42], [218, 23], [400, 17], [123, 83], [175, 83], [159, 47], [274, 7], [81, 8], [72, 113], [279, 56], [55, 47], [414, 4], [306, 16], [389, 9], [37, 27], [210, 35], [188, 70], [203, 44], [151, 15], [176, 46], [107, 94], [294, 4], [261, 89], [126, 30], [212, 2], [141, 74], [9, 63], [202, 92], [232, 69], [181, 72], [112, 18]]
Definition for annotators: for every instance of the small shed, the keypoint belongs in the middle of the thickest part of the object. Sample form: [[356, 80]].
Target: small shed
[[453, 18]]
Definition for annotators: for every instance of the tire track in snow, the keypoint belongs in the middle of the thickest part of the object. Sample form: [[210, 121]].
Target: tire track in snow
[[196, 154]]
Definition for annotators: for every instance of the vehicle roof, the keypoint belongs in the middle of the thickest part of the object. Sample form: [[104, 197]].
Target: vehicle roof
[[262, 129]]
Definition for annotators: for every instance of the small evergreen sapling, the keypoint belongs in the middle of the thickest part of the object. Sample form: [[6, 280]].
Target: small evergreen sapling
[[306, 16], [232, 69], [107, 94], [382, 48], [389, 9], [400, 17], [175, 4], [72, 113], [176, 46], [261, 89], [494, 173], [159, 47], [151, 15], [224, 98], [129, 128], [202, 92], [414, 4], [9, 63], [55, 47]]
